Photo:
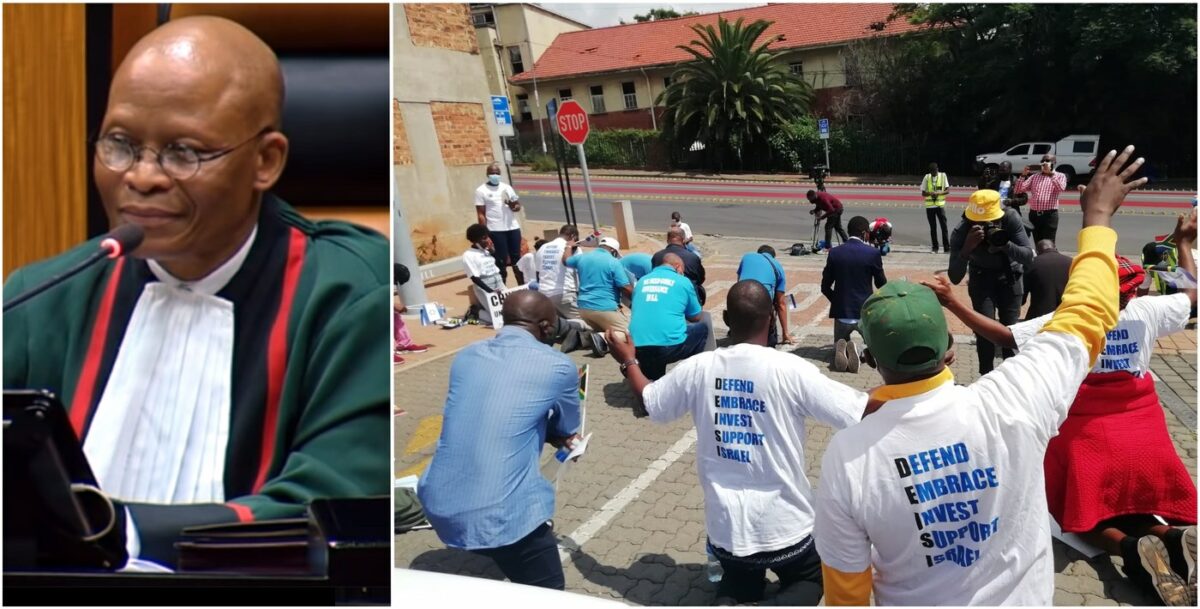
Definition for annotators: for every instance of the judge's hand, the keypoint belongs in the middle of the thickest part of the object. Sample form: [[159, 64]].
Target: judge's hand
[[620, 345]]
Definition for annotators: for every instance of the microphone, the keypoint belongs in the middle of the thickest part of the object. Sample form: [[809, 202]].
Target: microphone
[[117, 243]]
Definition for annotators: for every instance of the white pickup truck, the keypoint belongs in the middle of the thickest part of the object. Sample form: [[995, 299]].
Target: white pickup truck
[[1076, 155]]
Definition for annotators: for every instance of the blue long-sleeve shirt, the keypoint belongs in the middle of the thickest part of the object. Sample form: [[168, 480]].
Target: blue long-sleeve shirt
[[483, 488]]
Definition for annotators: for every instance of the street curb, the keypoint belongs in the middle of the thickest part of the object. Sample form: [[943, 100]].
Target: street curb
[[781, 181], [799, 201]]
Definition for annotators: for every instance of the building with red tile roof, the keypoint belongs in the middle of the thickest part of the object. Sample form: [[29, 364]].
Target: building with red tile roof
[[616, 72]]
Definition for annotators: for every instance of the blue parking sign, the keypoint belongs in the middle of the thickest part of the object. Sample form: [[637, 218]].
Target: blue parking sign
[[502, 114], [823, 127]]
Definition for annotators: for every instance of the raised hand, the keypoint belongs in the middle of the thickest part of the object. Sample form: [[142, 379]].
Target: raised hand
[[1185, 228], [942, 288], [1109, 184]]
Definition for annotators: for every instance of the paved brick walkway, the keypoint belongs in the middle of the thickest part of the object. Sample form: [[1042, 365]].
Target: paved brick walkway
[[635, 501]]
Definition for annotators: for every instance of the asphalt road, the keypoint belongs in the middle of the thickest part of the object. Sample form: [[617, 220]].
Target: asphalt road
[[780, 212]]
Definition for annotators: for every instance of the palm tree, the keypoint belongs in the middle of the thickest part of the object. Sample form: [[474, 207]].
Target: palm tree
[[733, 96]]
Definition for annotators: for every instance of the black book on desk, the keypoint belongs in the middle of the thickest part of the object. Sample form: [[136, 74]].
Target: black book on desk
[[266, 547], [346, 540]]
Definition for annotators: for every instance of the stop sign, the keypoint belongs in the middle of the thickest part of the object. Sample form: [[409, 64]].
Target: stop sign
[[572, 122]]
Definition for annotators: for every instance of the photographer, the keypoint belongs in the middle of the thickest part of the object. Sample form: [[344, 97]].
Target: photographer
[[1002, 181], [991, 243], [828, 208]]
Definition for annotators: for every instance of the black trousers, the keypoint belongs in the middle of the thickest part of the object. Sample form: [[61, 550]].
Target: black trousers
[[993, 293], [935, 216], [834, 222], [532, 561], [1045, 224], [745, 579], [507, 244]]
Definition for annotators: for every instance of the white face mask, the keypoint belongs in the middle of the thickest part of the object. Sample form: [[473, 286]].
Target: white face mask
[[493, 179]]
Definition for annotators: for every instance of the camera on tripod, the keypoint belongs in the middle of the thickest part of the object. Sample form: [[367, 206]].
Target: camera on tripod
[[818, 173]]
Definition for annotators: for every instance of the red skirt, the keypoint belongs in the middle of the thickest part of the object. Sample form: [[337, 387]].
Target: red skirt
[[1113, 457]]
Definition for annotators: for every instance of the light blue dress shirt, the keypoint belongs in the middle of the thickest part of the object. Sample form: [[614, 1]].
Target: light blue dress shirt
[[483, 488]]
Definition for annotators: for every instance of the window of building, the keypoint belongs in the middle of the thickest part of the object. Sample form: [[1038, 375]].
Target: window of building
[[629, 91], [796, 68], [484, 18], [1041, 148], [667, 81], [564, 94], [598, 99], [523, 107], [514, 56]]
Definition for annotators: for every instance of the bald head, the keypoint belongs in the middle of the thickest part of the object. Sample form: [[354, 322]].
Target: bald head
[[674, 261], [675, 235], [530, 310], [234, 68], [748, 309], [1045, 245]]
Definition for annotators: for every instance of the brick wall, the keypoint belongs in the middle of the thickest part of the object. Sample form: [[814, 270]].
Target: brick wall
[[462, 133], [401, 151], [444, 26]]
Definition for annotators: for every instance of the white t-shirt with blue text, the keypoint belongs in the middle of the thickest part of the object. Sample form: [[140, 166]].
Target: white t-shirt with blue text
[[749, 405], [1130, 344]]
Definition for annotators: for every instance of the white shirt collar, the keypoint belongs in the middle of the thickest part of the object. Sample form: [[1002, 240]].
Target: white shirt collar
[[856, 239], [213, 282]]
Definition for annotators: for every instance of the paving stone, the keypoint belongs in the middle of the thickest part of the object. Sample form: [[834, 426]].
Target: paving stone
[[652, 551]]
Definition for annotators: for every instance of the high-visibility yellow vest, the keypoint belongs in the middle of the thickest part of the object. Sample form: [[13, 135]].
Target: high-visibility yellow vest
[[938, 183]]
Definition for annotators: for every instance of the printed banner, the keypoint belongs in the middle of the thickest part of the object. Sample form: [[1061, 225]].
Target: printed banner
[[495, 302]]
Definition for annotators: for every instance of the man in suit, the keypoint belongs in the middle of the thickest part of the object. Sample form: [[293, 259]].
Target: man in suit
[[846, 282], [1046, 279]]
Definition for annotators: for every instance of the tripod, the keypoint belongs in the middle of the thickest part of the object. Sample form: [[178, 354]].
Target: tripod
[[833, 235]]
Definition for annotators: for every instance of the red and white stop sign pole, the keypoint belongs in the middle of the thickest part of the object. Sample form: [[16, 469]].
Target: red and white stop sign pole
[[572, 123]]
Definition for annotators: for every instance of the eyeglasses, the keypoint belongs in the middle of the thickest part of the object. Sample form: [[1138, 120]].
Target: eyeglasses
[[178, 161]]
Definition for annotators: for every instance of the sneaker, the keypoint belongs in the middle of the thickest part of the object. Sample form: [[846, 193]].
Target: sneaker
[[934, 249], [1181, 548], [852, 358], [396, 359], [413, 349], [1169, 586], [840, 361]]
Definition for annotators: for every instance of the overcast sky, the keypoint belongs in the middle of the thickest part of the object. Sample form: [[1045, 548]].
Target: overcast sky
[[600, 15]]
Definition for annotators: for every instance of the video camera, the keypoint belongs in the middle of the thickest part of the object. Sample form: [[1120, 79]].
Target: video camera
[[994, 233], [818, 173]]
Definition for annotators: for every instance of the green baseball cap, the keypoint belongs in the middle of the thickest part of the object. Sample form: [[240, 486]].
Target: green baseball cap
[[902, 316]]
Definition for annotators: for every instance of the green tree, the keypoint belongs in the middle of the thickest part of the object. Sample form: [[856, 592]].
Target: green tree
[[656, 14], [981, 76], [733, 96]]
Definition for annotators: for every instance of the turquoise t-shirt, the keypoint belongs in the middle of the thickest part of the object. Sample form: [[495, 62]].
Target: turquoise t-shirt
[[600, 276], [764, 269], [662, 302], [638, 263]]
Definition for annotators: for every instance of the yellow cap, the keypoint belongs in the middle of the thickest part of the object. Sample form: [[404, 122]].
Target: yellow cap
[[984, 206]]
